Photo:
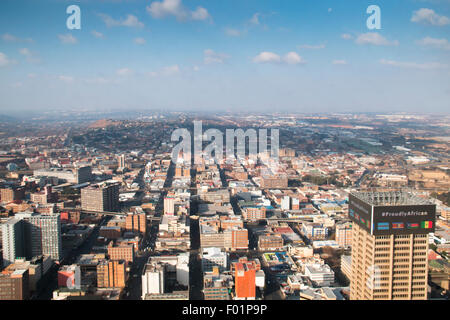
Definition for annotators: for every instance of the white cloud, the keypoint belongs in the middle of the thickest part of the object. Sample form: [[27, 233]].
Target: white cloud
[[374, 38], [270, 57], [165, 8], [414, 65], [4, 60], [212, 57], [339, 62], [308, 46], [346, 36], [267, 57], [97, 34], [130, 21], [124, 72], [171, 70], [25, 52], [166, 71], [67, 38], [293, 58], [234, 32], [200, 14], [67, 79], [330, 9], [30, 56], [255, 19], [428, 16], [140, 41], [10, 38], [443, 44]]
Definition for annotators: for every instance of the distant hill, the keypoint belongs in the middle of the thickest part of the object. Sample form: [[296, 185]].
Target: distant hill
[[103, 123]]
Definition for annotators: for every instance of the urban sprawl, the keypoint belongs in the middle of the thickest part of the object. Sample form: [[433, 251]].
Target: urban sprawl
[[355, 207]]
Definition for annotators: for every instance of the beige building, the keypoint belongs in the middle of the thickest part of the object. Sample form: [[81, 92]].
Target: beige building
[[389, 246], [100, 197]]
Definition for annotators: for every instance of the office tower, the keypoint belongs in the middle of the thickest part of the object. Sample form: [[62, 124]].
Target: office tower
[[389, 245], [136, 222], [121, 162], [100, 197], [83, 174], [169, 205], [111, 274], [13, 241], [14, 285], [42, 234], [344, 234]]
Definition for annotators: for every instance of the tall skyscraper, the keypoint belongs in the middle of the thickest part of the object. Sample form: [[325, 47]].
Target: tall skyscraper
[[100, 197], [42, 234], [121, 162], [169, 205], [389, 245], [13, 241]]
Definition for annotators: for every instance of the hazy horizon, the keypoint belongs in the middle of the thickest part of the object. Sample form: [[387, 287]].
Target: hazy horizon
[[206, 56]]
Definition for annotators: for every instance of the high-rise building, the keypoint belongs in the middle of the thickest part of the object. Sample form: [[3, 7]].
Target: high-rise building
[[169, 205], [83, 174], [344, 234], [100, 197], [42, 234], [13, 241], [111, 274], [389, 245], [121, 162], [136, 222]]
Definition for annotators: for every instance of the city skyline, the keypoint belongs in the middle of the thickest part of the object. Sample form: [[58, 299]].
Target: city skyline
[[262, 56]]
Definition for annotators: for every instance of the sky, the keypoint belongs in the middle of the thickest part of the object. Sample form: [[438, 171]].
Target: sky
[[225, 55]]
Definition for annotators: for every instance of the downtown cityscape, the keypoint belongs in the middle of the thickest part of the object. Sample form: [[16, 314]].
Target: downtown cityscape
[[224, 150]]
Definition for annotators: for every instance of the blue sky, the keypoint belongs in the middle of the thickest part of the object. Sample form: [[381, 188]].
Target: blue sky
[[254, 55]]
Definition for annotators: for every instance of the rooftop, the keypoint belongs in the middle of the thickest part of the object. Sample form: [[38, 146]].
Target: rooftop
[[390, 198]]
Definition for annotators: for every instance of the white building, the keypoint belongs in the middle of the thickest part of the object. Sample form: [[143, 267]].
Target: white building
[[212, 257], [260, 279], [153, 279], [286, 203], [320, 274], [183, 269], [12, 241]]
